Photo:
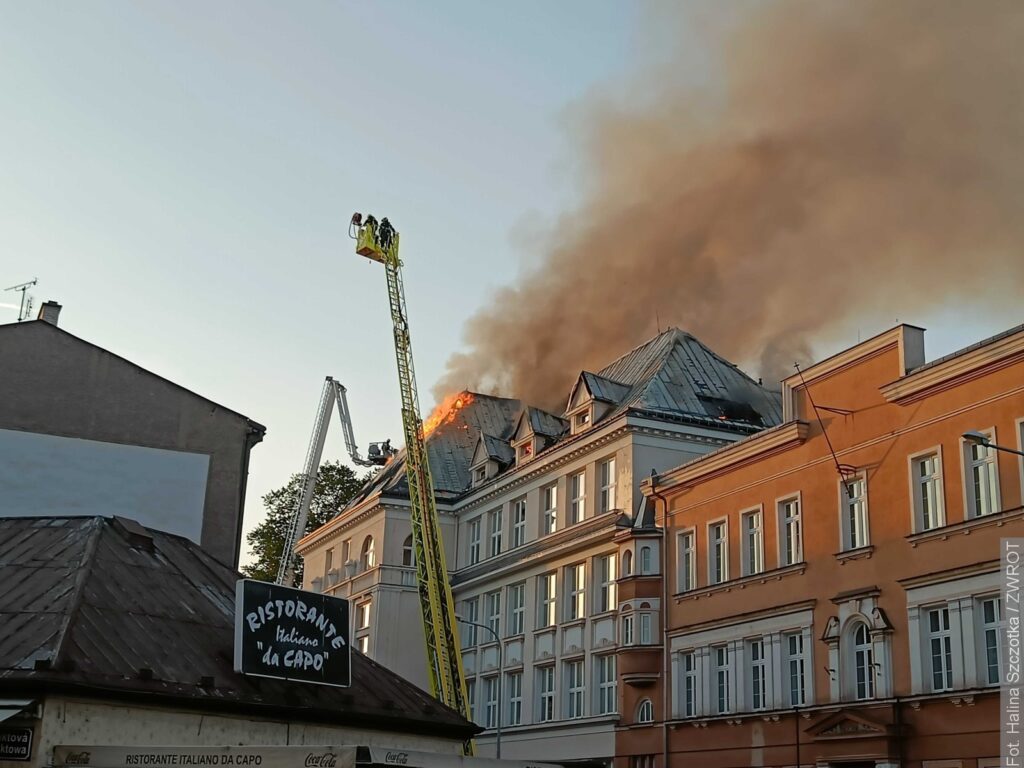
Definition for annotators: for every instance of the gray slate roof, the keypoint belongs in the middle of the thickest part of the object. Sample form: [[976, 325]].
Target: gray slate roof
[[498, 449], [89, 601], [546, 424], [603, 389]]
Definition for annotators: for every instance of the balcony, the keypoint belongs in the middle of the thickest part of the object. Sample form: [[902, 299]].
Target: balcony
[[389, 575]]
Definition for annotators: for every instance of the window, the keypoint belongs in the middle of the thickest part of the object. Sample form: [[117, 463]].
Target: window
[[688, 666], [514, 686], [940, 649], [471, 613], [494, 522], [493, 602], [720, 657], [328, 563], [490, 702], [795, 666], [575, 686], [927, 487], [582, 420], [753, 543], [408, 558], [687, 558], [549, 500], [990, 617], [576, 591], [863, 663], [627, 563], [346, 551], [791, 546], [645, 711], [363, 614], [627, 629], [718, 550], [364, 644], [516, 608], [474, 541], [607, 594], [479, 475], [606, 682], [982, 479], [519, 523], [577, 497], [607, 478], [525, 451], [367, 557], [547, 600], [645, 629], [471, 696], [645, 561], [755, 655], [855, 513], [546, 689]]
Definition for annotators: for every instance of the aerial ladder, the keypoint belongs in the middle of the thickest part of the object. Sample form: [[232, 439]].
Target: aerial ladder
[[377, 455], [379, 242]]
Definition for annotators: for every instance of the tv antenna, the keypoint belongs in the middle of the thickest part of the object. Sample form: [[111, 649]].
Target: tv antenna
[[26, 301]]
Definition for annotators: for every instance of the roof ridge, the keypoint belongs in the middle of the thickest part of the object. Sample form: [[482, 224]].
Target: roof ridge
[[624, 355], [78, 589]]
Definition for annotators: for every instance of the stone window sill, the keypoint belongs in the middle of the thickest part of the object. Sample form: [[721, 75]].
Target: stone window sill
[[966, 527], [797, 569], [860, 553]]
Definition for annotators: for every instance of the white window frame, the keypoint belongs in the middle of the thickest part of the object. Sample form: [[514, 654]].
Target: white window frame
[[575, 689], [718, 557], [606, 671], [644, 712], [935, 481], [757, 674], [492, 602], [688, 685], [861, 657], [473, 541], [514, 694], [368, 553], [408, 553], [686, 559], [1018, 427], [491, 686], [968, 464], [606, 482], [494, 523], [940, 647], [547, 600], [646, 560], [517, 609], [646, 636], [471, 612], [363, 643], [721, 667], [606, 585], [791, 530], [518, 523], [546, 693], [363, 614], [983, 641], [795, 674], [549, 513], [577, 497], [471, 697], [575, 591], [862, 527], [628, 629], [753, 540]]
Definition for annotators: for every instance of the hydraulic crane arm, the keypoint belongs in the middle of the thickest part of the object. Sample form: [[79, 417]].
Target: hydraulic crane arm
[[379, 453], [379, 242]]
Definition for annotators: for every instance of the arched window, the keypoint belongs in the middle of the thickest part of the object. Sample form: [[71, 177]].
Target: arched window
[[861, 662], [627, 563], [645, 711], [367, 556], [408, 559], [645, 560]]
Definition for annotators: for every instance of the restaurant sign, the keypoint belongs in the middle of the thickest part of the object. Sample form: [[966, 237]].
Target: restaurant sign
[[219, 757], [291, 634]]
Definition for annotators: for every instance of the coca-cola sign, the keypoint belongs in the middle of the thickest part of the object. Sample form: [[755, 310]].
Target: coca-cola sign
[[292, 634], [321, 760]]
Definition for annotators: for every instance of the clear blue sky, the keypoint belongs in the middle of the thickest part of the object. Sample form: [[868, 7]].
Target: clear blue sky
[[181, 175]]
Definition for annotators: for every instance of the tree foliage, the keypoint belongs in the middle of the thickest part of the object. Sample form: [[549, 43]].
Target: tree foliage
[[335, 486]]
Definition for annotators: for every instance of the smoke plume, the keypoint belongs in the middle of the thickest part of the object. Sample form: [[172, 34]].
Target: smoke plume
[[841, 161]]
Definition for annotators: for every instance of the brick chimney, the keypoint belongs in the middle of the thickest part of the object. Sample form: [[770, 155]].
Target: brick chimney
[[49, 312]]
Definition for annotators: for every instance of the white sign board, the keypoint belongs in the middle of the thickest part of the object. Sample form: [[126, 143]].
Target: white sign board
[[218, 757], [47, 475]]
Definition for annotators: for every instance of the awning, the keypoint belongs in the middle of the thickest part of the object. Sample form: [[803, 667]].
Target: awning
[[410, 759], [13, 707]]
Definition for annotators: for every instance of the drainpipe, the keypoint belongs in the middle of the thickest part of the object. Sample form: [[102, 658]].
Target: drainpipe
[[899, 730], [796, 731], [666, 659]]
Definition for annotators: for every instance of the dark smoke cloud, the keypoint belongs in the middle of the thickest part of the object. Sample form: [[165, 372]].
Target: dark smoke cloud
[[848, 161]]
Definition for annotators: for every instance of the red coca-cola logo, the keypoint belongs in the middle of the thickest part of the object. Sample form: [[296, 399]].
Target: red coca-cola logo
[[325, 760], [77, 758]]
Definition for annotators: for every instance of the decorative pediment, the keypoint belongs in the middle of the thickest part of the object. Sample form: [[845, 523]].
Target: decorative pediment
[[480, 452], [845, 724], [523, 430]]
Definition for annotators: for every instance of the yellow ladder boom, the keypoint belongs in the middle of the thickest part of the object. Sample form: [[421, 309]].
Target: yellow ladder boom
[[379, 242]]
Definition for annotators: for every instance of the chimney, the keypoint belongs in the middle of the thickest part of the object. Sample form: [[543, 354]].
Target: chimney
[[49, 312]]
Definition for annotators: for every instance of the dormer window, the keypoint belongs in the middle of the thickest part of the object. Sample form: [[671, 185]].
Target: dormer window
[[581, 421], [479, 475], [525, 451]]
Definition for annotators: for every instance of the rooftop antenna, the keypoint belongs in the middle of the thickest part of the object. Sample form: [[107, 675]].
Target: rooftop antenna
[[26, 301]]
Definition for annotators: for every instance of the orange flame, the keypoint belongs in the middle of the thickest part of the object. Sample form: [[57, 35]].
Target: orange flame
[[446, 411]]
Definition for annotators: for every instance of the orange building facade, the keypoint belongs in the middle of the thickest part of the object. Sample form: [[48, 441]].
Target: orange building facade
[[831, 593]]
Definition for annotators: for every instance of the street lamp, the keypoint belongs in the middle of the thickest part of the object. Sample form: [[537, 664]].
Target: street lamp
[[501, 674], [979, 438]]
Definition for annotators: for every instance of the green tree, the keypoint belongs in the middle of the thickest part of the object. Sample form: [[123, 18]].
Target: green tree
[[335, 486]]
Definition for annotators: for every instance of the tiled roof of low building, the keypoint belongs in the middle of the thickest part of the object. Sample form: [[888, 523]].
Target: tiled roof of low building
[[104, 607]]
